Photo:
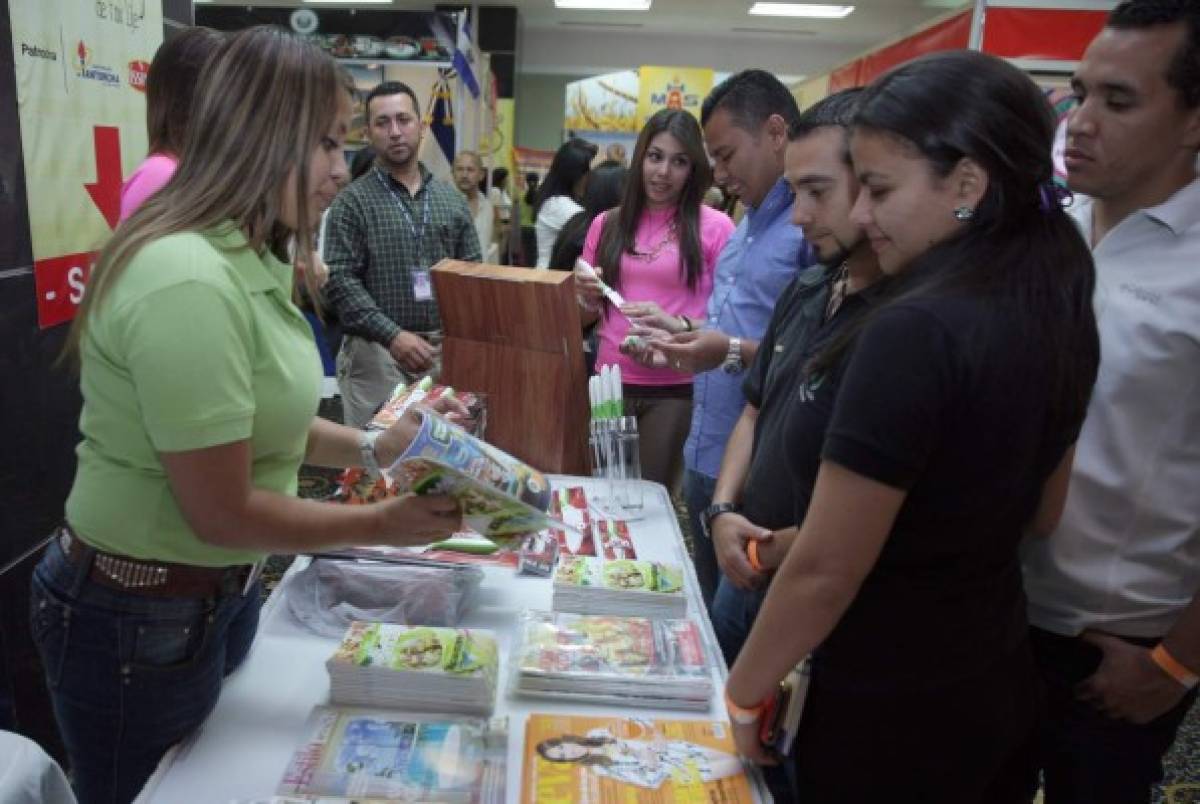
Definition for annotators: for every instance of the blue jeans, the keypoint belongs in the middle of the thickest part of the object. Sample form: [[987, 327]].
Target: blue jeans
[[130, 675], [697, 493], [733, 613]]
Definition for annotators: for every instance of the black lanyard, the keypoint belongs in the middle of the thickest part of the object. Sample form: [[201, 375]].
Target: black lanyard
[[418, 234]]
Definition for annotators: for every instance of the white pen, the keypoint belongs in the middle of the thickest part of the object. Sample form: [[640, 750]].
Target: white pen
[[616, 298]]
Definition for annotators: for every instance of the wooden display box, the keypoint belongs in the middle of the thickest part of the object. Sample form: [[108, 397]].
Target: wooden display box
[[515, 334]]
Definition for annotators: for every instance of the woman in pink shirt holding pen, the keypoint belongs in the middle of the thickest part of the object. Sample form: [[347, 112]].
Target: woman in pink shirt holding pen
[[659, 251], [169, 89]]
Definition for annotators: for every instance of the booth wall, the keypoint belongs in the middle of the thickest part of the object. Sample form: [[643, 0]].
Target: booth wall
[[539, 109], [39, 411]]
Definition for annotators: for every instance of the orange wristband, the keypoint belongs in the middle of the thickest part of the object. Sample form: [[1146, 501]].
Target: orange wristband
[[752, 555], [742, 715], [1173, 667]]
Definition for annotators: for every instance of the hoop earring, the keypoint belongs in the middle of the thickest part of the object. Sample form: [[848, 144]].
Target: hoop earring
[[964, 214]]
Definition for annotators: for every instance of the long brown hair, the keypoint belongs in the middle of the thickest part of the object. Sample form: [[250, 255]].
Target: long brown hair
[[617, 238], [264, 102], [171, 85]]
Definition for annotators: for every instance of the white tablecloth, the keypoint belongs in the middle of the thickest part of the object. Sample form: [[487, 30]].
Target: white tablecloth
[[244, 746]]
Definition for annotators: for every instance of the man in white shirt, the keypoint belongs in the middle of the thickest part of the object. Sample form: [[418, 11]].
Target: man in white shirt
[[1113, 592], [468, 173]]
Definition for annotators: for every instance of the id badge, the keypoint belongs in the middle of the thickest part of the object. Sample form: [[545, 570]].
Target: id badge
[[422, 286]]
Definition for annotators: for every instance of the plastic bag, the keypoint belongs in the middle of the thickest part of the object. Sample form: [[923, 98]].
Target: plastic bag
[[327, 595]]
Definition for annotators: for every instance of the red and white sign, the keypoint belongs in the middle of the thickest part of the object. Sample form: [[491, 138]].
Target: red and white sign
[[60, 283], [82, 130], [139, 71]]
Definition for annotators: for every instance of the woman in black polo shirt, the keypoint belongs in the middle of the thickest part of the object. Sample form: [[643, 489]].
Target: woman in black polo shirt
[[923, 444]]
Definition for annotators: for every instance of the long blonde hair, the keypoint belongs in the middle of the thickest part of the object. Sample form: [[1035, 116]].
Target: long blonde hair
[[264, 102]]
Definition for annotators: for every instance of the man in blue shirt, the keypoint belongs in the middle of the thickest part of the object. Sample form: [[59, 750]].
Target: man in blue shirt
[[746, 120]]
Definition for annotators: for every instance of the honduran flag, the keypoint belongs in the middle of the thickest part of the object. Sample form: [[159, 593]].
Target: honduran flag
[[464, 57]]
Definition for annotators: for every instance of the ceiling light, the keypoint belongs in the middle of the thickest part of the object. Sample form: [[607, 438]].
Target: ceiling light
[[604, 5], [801, 10]]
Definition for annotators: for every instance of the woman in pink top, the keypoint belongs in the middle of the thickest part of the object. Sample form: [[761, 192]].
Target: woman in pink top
[[658, 250], [170, 85]]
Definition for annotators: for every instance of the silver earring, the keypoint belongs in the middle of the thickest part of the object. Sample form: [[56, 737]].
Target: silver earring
[[963, 214]]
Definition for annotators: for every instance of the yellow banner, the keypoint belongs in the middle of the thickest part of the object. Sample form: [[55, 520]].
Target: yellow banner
[[81, 70], [671, 88]]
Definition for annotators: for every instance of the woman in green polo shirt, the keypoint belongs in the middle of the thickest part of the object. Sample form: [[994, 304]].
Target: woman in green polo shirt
[[200, 383]]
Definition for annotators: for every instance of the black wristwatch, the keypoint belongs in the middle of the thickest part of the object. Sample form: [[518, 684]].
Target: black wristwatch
[[712, 512]]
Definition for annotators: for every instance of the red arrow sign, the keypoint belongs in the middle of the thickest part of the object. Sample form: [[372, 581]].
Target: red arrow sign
[[106, 190]]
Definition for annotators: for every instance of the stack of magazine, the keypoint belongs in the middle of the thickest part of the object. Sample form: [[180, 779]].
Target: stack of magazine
[[415, 668], [364, 755], [590, 585], [631, 661]]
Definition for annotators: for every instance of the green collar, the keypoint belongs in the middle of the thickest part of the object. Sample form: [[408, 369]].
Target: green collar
[[261, 272]]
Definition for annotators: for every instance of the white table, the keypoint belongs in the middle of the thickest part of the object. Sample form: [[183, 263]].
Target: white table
[[244, 746]]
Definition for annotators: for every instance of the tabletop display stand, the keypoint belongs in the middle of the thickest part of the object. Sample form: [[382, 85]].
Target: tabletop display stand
[[515, 334]]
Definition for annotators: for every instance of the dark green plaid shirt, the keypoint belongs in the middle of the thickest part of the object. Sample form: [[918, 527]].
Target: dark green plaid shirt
[[372, 252]]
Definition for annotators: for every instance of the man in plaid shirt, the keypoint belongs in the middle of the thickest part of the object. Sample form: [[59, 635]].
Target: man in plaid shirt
[[384, 232]]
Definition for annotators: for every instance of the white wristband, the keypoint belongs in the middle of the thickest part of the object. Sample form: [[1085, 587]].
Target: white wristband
[[366, 448]]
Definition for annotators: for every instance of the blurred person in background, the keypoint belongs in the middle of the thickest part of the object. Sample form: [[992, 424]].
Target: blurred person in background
[[385, 232], [560, 192], [502, 203], [468, 173], [605, 186], [170, 85]]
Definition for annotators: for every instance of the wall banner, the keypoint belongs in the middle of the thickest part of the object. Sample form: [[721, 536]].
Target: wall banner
[[81, 70]]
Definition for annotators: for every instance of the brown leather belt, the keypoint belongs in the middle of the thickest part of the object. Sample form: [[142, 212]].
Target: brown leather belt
[[157, 578]]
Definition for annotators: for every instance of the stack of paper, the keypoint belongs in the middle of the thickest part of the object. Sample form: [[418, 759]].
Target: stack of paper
[[362, 755], [588, 585], [415, 668], [631, 661]]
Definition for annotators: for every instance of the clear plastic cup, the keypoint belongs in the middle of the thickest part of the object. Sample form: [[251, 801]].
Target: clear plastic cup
[[629, 457]]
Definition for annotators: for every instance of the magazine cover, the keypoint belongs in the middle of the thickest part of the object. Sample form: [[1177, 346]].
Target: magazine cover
[[572, 758], [622, 575], [449, 651], [557, 643], [499, 494], [378, 755]]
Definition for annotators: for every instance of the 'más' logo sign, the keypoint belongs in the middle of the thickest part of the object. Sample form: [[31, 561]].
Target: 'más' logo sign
[[676, 96]]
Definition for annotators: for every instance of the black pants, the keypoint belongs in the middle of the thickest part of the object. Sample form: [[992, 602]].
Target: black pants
[[967, 741], [1086, 756]]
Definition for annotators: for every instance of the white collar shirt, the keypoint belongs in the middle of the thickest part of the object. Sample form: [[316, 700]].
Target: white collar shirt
[[1126, 557]]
